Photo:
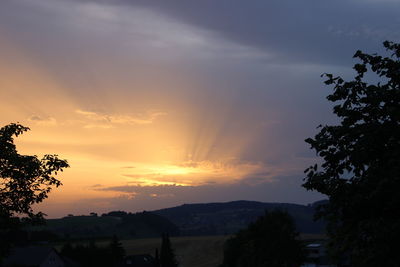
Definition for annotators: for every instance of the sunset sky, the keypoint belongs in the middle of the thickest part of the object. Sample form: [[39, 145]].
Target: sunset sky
[[160, 103]]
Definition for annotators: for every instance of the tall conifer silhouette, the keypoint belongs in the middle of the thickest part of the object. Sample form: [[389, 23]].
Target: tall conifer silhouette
[[167, 255]]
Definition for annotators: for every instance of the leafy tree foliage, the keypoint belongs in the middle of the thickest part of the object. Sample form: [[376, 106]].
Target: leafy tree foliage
[[360, 170], [167, 254], [270, 241], [93, 255], [24, 181]]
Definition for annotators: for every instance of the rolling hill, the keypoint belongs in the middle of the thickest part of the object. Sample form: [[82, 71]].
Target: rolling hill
[[124, 225], [205, 219], [228, 218]]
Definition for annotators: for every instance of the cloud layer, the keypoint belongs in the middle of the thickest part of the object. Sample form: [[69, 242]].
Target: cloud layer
[[163, 102]]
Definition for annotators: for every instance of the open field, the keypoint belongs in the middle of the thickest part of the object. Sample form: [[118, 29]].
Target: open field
[[203, 251], [192, 251]]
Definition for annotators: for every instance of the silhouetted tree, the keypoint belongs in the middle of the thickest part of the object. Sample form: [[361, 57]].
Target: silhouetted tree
[[270, 241], [157, 259], [118, 213], [167, 255], [360, 170], [116, 249], [24, 181]]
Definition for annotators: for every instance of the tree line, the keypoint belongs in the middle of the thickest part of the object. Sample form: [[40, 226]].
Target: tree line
[[114, 254]]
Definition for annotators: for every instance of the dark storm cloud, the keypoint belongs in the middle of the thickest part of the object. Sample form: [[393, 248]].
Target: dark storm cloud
[[307, 31], [313, 31]]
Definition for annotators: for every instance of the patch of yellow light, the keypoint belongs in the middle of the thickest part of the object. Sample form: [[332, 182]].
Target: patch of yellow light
[[190, 173], [172, 170], [154, 182]]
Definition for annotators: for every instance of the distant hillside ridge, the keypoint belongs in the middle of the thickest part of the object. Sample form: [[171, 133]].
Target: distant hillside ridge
[[124, 225], [203, 219], [229, 217]]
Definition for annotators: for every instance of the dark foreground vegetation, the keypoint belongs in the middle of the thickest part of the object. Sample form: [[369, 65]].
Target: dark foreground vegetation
[[271, 241], [113, 254], [93, 255], [25, 181], [360, 170]]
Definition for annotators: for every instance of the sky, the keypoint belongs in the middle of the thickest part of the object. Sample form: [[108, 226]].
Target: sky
[[159, 103]]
